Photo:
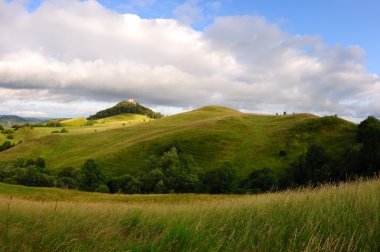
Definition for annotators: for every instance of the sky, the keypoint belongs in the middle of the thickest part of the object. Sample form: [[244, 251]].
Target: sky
[[70, 58]]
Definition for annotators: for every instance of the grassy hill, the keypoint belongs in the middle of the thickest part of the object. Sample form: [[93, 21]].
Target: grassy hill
[[330, 218], [125, 107], [212, 135]]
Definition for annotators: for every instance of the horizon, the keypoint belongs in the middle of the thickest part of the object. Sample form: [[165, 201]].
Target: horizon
[[242, 111], [74, 58]]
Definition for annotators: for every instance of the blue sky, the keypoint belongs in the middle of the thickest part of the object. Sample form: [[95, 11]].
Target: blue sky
[[71, 58]]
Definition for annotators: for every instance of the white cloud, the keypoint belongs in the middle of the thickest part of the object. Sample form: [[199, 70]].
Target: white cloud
[[29, 113], [81, 53]]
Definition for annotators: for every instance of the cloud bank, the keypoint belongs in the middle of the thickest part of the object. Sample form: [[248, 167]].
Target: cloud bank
[[67, 53]]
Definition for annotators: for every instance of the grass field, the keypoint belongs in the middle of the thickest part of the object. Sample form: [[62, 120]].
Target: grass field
[[212, 135], [331, 218]]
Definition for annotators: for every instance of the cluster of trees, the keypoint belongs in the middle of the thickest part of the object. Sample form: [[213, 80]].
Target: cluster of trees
[[60, 131], [6, 145], [7, 132], [172, 172], [317, 167], [33, 172], [125, 107], [26, 172], [52, 123]]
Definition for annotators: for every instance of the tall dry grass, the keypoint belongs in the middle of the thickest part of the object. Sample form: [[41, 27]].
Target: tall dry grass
[[331, 218]]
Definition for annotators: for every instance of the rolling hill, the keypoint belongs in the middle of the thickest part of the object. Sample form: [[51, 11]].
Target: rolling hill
[[210, 134], [337, 217], [10, 120]]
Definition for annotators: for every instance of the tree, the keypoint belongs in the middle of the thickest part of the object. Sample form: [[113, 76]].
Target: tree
[[221, 179], [68, 172], [150, 179], [369, 136], [91, 176], [313, 167], [66, 182], [364, 128], [68, 178], [64, 130], [258, 181], [103, 188], [40, 162], [319, 163], [125, 184], [351, 164], [174, 171]]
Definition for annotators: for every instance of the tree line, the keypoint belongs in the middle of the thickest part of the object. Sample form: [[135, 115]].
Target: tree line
[[173, 172]]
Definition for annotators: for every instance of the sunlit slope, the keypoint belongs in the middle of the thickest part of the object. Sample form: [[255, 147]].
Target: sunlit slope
[[211, 134], [126, 118], [80, 121]]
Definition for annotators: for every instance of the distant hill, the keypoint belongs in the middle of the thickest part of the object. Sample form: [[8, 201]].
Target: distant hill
[[10, 120], [125, 107]]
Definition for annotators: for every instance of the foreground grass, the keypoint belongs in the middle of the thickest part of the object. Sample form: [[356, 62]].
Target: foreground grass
[[342, 218]]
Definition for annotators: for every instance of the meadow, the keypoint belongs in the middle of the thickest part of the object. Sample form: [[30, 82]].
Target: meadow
[[329, 218]]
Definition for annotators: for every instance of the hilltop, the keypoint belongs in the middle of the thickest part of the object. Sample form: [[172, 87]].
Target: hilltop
[[125, 107], [211, 135]]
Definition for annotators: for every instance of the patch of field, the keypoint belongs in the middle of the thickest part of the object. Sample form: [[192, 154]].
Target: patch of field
[[330, 218], [125, 118], [74, 122]]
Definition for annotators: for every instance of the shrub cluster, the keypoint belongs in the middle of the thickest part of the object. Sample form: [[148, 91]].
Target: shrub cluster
[[60, 131], [6, 145]]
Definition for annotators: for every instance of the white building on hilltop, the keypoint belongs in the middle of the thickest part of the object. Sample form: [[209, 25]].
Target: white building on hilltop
[[131, 100]]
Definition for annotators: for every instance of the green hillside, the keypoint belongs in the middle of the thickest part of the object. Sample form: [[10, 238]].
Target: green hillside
[[211, 135], [125, 107], [330, 218]]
